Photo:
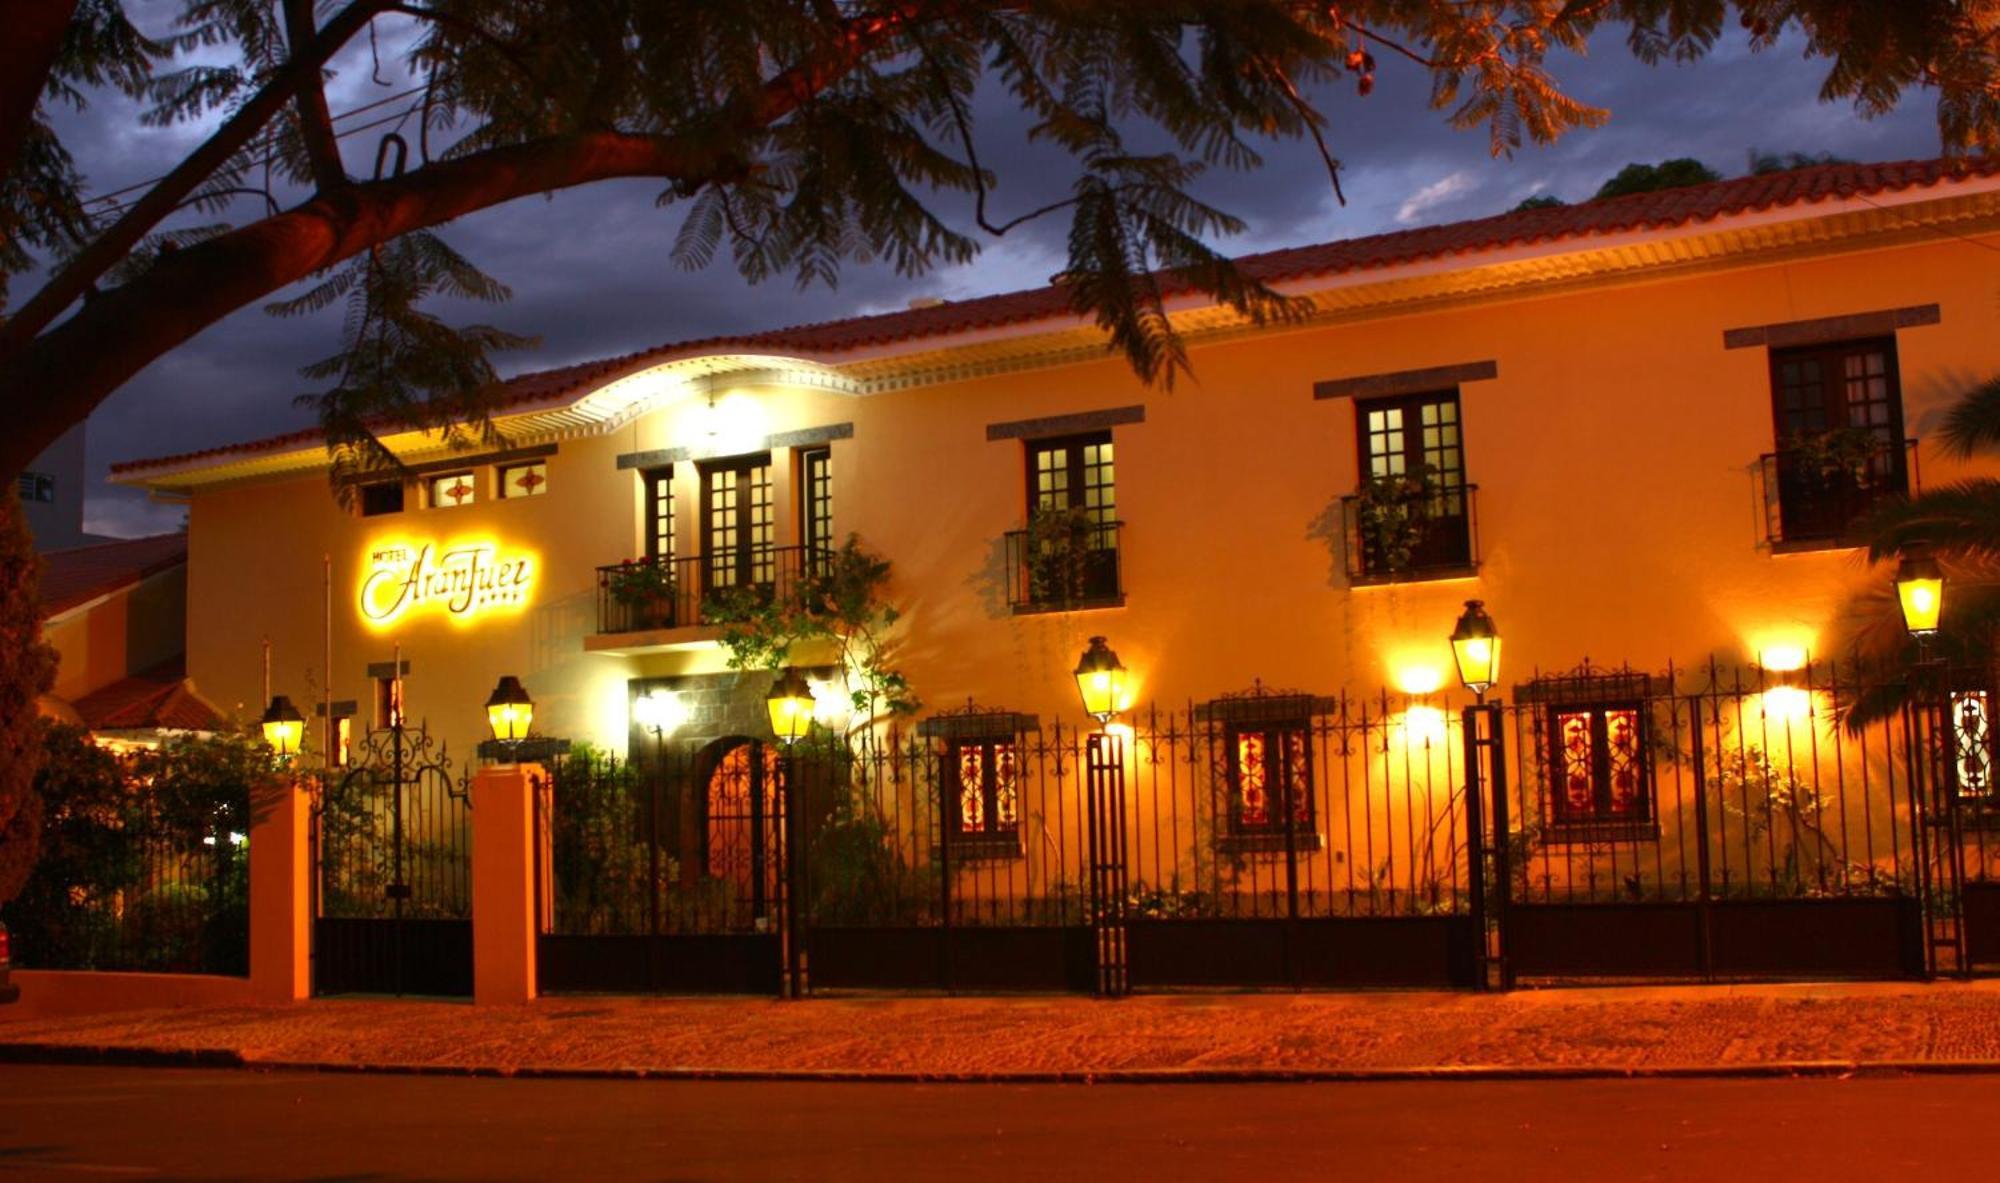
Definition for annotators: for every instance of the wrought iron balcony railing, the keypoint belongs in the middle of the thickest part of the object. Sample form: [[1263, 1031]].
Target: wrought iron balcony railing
[[1814, 496], [1435, 536], [642, 594], [1075, 567]]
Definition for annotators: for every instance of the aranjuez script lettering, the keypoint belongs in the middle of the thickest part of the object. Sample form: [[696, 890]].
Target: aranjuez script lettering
[[461, 582]]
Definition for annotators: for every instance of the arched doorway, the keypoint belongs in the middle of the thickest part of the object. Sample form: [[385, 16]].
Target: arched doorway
[[742, 830]]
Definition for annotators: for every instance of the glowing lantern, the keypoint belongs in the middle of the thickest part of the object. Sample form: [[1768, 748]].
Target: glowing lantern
[[509, 710], [1475, 646], [1920, 591], [1100, 678], [284, 727], [791, 706]]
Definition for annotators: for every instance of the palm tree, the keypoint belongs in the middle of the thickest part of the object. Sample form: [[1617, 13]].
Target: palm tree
[[1959, 525]]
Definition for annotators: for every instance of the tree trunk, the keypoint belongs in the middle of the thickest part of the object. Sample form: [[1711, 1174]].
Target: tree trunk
[[34, 34]]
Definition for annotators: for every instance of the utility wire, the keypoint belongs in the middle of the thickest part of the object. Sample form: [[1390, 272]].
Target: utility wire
[[349, 114]]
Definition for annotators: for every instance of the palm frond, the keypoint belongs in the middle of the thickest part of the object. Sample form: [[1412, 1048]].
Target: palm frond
[[1973, 423]]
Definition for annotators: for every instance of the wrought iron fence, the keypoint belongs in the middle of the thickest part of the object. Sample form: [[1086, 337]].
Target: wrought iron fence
[[655, 847], [1676, 823], [1073, 563], [1432, 535], [641, 594], [1718, 784], [131, 885], [1812, 495], [394, 833]]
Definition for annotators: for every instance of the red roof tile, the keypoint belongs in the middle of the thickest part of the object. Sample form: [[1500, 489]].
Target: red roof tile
[[159, 699], [81, 574], [1638, 212]]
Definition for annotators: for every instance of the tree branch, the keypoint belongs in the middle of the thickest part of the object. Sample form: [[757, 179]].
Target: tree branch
[[59, 377], [105, 251], [315, 121]]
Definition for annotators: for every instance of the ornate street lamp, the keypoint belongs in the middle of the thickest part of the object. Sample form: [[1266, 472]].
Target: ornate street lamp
[[1100, 679], [1475, 646], [791, 705], [283, 727], [1920, 592], [509, 711]]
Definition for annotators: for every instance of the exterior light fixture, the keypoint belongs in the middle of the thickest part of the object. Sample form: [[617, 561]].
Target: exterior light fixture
[[509, 710], [659, 711], [791, 706], [1920, 592], [1475, 646], [283, 727], [1100, 678]]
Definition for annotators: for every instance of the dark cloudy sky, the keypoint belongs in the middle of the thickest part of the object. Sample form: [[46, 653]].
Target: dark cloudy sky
[[591, 271]]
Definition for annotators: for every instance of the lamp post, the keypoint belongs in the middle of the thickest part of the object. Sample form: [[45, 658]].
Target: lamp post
[[790, 704], [1101, 682], [1919, 583], [284, 727], [509, 712], [1475, 649]]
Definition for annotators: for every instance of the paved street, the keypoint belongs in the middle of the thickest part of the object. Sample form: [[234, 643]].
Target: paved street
[[106, 1123]]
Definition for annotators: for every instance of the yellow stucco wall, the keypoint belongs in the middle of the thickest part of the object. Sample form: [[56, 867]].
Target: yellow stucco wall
[[1613, 453], [129, 631]]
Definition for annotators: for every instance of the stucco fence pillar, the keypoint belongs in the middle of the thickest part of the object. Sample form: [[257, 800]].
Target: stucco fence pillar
[[281, 878], [503, 883]]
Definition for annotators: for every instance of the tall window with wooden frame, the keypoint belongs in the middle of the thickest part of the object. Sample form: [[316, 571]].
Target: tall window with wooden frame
[[1837, 412], [658, 490], [1068, 555], [815, 509], [737, 523], [1594, 740], [1411, 515]]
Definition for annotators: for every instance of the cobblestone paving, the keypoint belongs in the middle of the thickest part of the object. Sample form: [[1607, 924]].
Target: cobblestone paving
[[1615, 1028]]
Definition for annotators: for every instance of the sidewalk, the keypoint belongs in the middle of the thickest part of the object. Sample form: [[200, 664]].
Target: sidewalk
[[1816, 1028]]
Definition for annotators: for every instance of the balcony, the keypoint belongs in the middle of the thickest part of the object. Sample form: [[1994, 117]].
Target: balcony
[[1435, 536], [1814, 495], [1074, 567], [645, 595]]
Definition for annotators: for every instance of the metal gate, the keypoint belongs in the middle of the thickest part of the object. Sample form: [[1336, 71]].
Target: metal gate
[[392, 837], [1708, 826], [957, 857], [667, 874]]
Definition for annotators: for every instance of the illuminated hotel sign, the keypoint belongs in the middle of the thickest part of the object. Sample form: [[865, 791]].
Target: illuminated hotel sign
[[463, 581]]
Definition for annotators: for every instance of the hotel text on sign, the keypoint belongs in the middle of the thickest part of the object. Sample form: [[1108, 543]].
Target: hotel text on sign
[[462, 581]]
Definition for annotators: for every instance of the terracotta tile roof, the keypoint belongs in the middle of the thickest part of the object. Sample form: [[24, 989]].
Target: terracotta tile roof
[[158, 699], [82, 574], [1640, 212]]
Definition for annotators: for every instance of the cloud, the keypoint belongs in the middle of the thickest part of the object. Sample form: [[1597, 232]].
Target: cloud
[[1431, 196]]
